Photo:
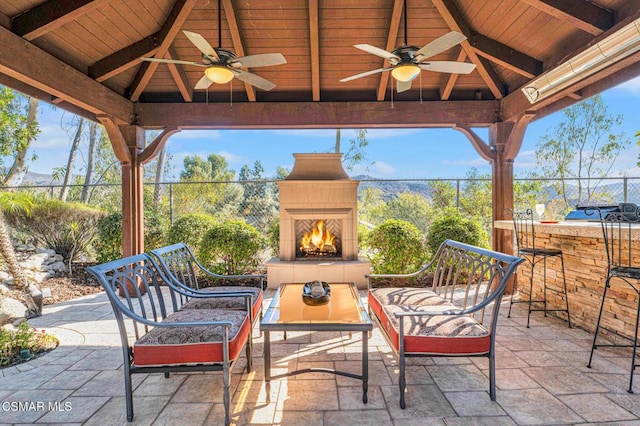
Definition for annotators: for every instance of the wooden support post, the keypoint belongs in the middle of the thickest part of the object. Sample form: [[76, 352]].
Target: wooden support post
[[132, 193], [502, 185]]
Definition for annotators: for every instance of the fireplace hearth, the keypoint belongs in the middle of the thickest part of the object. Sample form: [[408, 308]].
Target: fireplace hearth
[[318, 224]]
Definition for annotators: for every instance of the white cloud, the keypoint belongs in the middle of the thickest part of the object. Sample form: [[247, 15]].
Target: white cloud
[[525, 160], [187, 135], [384, 168], [474, 162], [632, 85], [233, 158]]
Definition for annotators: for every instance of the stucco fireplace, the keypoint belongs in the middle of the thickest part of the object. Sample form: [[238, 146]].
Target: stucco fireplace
[[318, 224]]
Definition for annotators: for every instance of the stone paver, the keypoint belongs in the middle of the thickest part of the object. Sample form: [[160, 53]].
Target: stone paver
[[541, 378]]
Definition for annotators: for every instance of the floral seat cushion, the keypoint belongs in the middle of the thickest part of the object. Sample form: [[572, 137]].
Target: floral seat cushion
[[437, 334], [190, 345], [227, 302]]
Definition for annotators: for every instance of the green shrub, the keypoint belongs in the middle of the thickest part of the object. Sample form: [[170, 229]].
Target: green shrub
[[452, 225], [273, 236], [396, 247], [109, 244], [22, 344], [231, 247], [69, 228], [189, 229]]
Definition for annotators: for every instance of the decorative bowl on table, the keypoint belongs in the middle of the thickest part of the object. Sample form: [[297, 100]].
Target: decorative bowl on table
[[316, 293]]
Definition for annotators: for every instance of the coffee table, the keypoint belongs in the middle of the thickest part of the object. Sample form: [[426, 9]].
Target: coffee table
[[344, 312]]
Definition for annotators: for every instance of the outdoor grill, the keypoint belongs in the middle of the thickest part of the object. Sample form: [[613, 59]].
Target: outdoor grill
[[581, 213]]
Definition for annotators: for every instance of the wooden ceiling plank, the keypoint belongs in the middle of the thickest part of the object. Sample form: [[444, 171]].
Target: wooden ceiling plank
[[452, 78], [314, 41], [50, 15], [180, 77], [277, 115], [582, 14], [456, 22], [238, 45], [38, 69], [178, 15], [392, 40], [124, 59], [5, 21], [509, 58]]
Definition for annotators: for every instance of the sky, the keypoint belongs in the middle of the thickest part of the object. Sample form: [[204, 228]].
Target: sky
[[392, 153]]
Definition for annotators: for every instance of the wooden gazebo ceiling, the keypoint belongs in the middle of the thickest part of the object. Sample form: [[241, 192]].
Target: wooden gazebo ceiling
[[85, 56]]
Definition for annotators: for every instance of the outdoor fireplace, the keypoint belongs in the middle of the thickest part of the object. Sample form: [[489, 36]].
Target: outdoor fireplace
[[318, 224]]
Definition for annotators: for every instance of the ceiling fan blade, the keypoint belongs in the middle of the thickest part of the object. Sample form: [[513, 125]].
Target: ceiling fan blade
[[403, 86], [173, 61], [448, 66], [254, 80], [203, 83], [202, 45], [440, 44], [394, 59], [364, 74], [262, 60]]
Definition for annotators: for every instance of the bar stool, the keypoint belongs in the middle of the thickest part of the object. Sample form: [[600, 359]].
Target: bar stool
[[526, 248], [616, 230]]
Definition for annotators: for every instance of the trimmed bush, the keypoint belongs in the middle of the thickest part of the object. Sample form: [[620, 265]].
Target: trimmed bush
[[109, 244], [396, 247], [273, 236], [231, 247], [68, 228], [189, 229], [452, 225]]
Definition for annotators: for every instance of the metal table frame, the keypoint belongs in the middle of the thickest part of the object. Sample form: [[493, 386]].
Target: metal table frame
[[271, 322]]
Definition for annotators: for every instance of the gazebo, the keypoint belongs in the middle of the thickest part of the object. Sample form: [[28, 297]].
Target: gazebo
[[531, 58]]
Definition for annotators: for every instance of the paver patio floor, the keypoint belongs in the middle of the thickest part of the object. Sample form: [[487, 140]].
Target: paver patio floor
[[541, 379]]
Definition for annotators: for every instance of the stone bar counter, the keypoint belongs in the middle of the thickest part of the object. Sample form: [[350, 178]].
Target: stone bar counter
[[586, 268]]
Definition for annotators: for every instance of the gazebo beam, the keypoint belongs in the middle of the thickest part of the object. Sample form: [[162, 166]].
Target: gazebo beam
[[33, 67], [584, 15], [316, 115]]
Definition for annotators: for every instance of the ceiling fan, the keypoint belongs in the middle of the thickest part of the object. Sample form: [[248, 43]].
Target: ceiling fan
[[407, 61], [222, 65]]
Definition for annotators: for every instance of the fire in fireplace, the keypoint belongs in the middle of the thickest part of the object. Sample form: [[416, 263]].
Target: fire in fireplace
[[320, 241]]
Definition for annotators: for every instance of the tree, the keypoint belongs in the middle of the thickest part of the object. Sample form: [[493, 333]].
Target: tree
[[93, 141], [409, 207], [68, 173], [20, 281], [443, 194], [258, 204], [18, 127], [356, 153], [584, 147], [19, 169]]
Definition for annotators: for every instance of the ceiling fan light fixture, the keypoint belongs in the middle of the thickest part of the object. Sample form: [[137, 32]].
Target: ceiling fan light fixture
[[219, 74], [405, 72]]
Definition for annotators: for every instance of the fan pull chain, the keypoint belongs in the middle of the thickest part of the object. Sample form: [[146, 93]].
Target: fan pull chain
[[206, 94], [420, 88], [231, 96]]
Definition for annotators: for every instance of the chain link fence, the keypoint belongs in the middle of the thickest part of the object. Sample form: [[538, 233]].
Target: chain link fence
[[414, 200]]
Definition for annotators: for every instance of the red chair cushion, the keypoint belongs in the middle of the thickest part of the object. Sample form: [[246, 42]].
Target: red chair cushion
[[189, 345], [227, 302], [437, 334]]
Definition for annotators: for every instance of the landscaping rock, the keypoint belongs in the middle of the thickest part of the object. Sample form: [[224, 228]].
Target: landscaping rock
[[13, 308]]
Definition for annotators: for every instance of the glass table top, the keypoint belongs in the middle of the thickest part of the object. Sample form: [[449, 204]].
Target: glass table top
[[345, 307]]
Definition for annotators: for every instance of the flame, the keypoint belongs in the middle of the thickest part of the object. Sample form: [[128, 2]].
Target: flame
[[319, 237]]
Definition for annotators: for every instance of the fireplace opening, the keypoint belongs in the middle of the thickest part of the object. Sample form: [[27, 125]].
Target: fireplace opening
[[318, 239]]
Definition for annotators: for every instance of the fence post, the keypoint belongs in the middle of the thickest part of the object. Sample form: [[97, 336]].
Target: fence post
[[625, 188], [458, 194], [170, 203]]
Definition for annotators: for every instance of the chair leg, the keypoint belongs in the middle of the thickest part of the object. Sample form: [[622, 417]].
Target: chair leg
[[544, 285], [513, 291], [492, 375], [566, 294], [533, 264], [225, 395], [635, 346], [402, 381], [595, 333], [128, 390]]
